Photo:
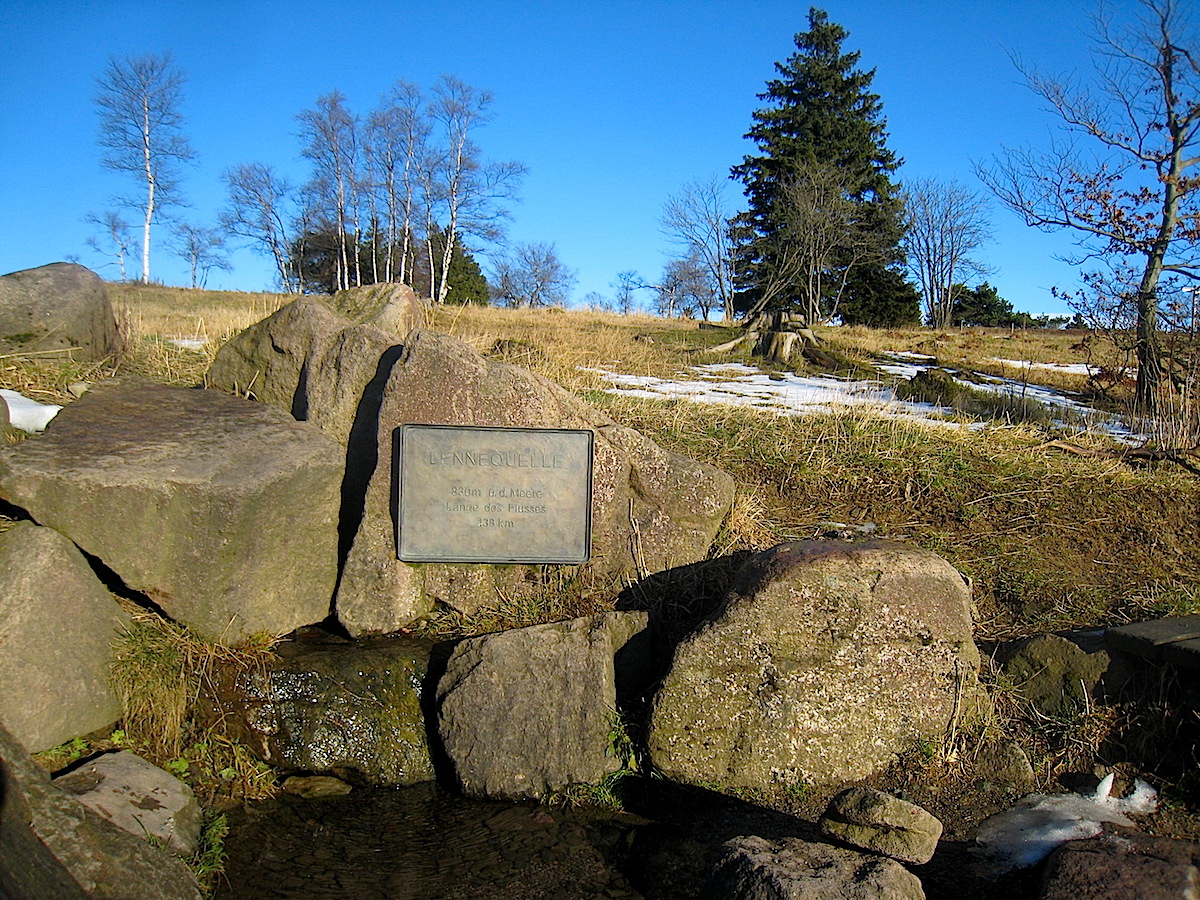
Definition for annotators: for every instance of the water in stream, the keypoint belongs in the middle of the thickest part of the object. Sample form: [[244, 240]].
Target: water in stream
[[420, 843]]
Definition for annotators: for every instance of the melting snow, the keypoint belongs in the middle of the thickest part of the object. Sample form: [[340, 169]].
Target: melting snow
[[737, 384], [1026, 834], [187, 343], [1065, 368], [26, 414], [740, 385]]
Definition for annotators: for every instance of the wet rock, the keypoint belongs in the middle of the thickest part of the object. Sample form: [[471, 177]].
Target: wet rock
[[139, 797], [57, 628], [1052, 673], [754, 868], [223, 511], [311, 787], [1120, 866], [878, 822], [827, 660], [101, 860], [351, 710], [63, 307], [526, 712]]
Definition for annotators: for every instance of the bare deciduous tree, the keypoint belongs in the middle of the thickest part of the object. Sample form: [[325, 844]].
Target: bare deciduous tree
[[330, 132], [257, 211], [139, 98], [117, 231], [469, 190], [1132, 202], [532, 276], [627, 282], [397, 138], [201, 248], [686, 288], [945, 224], [697, 218], [817, 243]]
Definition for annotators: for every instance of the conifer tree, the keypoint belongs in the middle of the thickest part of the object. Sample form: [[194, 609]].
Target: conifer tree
[[820, 114]]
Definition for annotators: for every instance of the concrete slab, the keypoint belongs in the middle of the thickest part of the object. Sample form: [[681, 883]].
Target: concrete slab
[[1148, 639], [1184, 654]]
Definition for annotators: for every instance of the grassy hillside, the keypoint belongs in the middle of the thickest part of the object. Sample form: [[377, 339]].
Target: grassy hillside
[[1052, 540]]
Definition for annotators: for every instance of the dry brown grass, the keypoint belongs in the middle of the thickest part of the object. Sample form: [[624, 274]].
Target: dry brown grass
[[563, 344], [151, 317]]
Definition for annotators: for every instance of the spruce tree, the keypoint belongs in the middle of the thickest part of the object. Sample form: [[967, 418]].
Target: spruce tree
[[819, 113]]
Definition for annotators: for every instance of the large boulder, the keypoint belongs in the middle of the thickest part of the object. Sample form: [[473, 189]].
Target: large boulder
[[335, 707], [59, 307], [526, 712], [57, 628], [139, 797], [827, 660], [394, 308], [222, 510], [754, 868], [651, 509], [53, 846], [313, 363]]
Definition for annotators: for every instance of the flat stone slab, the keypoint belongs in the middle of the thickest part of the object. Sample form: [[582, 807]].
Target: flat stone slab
[[1148, 640], [223, 511], [139, 797], [1184, 654]]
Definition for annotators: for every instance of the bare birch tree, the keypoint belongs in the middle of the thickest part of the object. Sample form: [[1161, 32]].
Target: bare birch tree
[[398, 134], [470, 191], [697, 218], [258, 212], [117, 230], [141, 124], [330, 132], [1132, 203], [202, 248], [945, 223]]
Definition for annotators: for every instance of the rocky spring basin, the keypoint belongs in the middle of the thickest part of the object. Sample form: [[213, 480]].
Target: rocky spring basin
[[422, 843]]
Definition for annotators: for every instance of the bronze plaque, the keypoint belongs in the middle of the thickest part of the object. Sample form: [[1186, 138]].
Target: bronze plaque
[[493, 495]]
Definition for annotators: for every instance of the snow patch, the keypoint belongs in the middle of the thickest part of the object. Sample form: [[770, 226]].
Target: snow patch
[[187, 343], [1065, 368], [1027, 833], [787, 394], [26, 414]]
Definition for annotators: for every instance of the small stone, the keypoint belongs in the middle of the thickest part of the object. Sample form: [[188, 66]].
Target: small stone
[[78, 388], [312, 787], [1006, 764], [1053, 674], [875, 821]]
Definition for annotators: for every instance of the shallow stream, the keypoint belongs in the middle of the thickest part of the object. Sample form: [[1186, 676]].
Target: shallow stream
[[421, 843]]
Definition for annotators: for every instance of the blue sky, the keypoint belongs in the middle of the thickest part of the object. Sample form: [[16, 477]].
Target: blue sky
[[612, 106]]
